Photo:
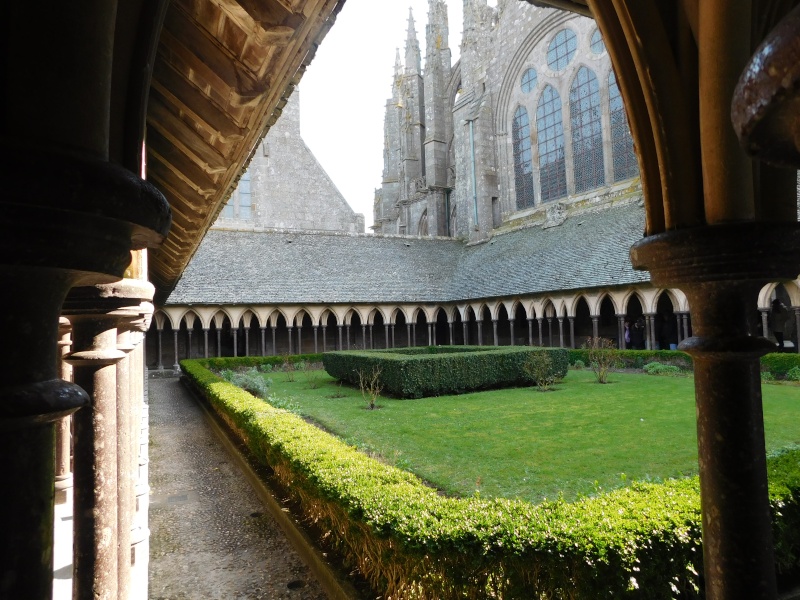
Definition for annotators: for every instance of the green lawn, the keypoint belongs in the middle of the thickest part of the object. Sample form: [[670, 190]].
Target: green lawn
[[523, 443]]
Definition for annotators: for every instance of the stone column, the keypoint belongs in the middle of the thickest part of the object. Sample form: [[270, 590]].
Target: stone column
[[595, 326], [414, 334], [219, 342], [340, 336], [621, 327], [408, 335], [571, 331], [465, 328], [541, 337], [386, 333], [175, 365], [764, 322], [721, 268], [560, 332], [188, 342], [796, 310], [530, 332], [235, 334], [495, 338], [394, 341], [364, 337], [316, 343], [246, 341], [347, 335], [63, 481], [430, 334], [263, 341], [94, 359], [450, 331], [205, 342], [33, 399], [160, 361], [686, 325], [511, 329], [480, 332], [289, 337], [550, 330], [324, 338], [299, 339], [274, 342]]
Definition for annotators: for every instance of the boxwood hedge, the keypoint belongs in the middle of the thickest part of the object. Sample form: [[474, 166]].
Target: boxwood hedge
[[408, 541], [441, 370]]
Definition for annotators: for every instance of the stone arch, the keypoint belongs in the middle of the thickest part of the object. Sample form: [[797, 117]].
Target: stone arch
[[583, 325], [379, 335], [441, 327]]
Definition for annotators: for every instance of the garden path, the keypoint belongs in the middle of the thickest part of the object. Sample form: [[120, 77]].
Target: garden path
[[211, 536]]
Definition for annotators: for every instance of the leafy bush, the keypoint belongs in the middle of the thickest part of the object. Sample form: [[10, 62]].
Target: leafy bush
[[635, 359], [602, 356], [579, 364], [767, 377], [793, 374], [655, 368], [539, 367], [641, 542], [422, 373]]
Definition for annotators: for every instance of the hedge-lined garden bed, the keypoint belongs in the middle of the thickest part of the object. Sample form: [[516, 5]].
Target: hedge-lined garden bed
[[442, 370], [777, 363], [408, 541]]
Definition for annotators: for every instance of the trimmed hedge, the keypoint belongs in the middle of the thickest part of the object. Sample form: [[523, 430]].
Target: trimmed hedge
[[780, 363], [442, 370], [408, 541], [241, 362], [636, 359]]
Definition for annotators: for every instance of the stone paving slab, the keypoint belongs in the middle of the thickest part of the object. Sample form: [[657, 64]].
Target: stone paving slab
[[211, 537]]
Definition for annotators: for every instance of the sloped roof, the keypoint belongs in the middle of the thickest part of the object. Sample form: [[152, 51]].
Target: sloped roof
[[273, 267]]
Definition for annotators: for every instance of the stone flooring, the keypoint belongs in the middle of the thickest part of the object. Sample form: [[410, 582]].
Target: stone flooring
[[211, 536]]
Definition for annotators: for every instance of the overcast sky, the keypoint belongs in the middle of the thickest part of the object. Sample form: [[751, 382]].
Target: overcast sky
[[344, 91]]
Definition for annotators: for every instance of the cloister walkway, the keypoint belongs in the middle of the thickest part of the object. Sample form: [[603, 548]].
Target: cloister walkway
[[211, 535]]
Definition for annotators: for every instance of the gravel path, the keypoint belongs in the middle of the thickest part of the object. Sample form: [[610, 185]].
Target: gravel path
[[210, 535]]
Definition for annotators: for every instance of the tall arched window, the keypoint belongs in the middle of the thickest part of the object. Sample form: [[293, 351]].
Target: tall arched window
[[587, 132], [523, 166], [550, 130], [622, 153]]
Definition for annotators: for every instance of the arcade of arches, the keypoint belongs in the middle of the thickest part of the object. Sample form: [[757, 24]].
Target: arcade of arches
[[563, 320]]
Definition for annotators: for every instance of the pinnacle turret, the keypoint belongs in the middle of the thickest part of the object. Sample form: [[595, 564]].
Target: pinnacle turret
[[413, 57]]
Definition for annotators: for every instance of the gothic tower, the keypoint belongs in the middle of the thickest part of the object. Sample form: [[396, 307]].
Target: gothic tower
[[438, 118]]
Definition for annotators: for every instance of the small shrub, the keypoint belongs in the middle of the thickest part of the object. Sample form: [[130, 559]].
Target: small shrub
[[603, 356], [288, 366], [793, 374], [655, 368], [265, 368], [309, 374], [539, 367], [253, 382], [579, 364], [767, 377], [369, 382], [287, 404]]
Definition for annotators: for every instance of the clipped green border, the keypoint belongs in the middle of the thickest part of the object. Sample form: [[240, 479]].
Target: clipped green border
[[408, 541]]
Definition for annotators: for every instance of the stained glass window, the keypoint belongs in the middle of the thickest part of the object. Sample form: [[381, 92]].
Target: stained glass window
[[623, 155], [523, 165], [562, 49], [528, 81], [587, 133], [597, 46], [550, 130]]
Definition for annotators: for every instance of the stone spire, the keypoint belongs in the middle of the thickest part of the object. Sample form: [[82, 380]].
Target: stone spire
[[398, 77], [413, 57]]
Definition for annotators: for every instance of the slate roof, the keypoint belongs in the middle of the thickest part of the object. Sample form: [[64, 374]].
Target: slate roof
[[271, 267]]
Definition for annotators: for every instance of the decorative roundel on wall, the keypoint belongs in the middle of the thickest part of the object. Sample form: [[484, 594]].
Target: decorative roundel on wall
[[597, 46], [562, 49], [528, 81]]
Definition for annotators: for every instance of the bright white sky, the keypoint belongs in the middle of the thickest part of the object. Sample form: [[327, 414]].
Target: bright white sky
[[343, 93]]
